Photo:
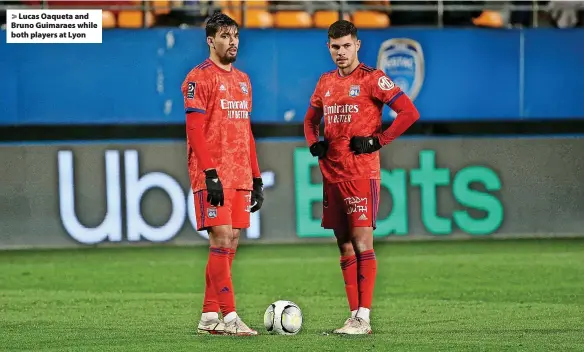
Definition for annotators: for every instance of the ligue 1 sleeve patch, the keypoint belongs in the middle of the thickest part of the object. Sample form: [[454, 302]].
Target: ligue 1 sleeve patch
[[385, 83], [191, 90]]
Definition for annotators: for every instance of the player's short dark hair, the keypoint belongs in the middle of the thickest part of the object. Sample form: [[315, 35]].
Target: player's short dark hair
[[342, 28], [217, 21]]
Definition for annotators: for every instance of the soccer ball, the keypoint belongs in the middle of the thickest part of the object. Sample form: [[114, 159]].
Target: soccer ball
[[283, 318]]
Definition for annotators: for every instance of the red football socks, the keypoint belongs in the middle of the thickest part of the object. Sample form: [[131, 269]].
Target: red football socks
[[219, 269], [349, 267], [367, 270], [211, 302]]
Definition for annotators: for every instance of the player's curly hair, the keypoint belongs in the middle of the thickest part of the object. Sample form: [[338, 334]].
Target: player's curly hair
[[217, 21], [342, 28]]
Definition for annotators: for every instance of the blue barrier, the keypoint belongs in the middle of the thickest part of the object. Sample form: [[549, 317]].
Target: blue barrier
[[134, 77]]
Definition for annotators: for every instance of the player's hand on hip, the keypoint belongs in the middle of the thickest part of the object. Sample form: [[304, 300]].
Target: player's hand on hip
[[214, 188], [257, 194], [364, 145], [319, 149]]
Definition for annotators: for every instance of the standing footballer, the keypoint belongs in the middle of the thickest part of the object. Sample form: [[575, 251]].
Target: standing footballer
[[223, 167], [351, 100]]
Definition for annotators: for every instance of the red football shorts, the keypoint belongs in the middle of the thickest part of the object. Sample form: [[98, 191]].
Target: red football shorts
[[234, 212], [350, 204]]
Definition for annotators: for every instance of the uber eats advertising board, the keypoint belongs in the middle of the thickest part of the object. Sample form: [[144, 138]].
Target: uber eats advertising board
[[99, 193]]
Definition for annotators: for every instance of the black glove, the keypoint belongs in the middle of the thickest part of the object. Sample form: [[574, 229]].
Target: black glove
[[319, 149], [257, 195], [214, 188], [363, 145]]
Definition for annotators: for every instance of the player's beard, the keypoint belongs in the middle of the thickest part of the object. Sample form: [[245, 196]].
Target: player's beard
[[225, 60], [228, 58]]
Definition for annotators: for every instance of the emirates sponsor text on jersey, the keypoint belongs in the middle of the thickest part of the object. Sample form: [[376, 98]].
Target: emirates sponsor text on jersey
[[340, 113], [236, 109]]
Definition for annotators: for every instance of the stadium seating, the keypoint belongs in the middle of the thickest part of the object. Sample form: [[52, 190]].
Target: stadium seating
[[370, 19], [257, 5], [160, 7], [258, 19], [489, 18], [323, 19], [134, 19], [108, 19], [230, 8], [88, 4], [292, 19], [256, 15]]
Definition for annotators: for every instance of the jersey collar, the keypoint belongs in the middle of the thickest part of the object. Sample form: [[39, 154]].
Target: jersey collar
[[222, 70], [350, 74]]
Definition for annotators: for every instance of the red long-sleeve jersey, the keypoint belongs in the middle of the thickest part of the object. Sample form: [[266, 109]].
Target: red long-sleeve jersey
[[352, 105], [218, 106]]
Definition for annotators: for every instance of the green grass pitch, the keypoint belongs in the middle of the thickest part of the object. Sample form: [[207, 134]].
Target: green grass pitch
[[434, 296]]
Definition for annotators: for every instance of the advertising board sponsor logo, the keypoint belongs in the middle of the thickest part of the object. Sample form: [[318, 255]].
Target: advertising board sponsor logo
[[125, 190], [426, 179]]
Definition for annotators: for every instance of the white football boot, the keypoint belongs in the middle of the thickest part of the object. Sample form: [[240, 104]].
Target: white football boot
[[237, 327], [354, 326], [348, 323], [211, 326]]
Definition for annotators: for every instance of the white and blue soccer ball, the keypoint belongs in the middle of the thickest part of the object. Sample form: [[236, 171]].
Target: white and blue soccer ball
[[283, 318]]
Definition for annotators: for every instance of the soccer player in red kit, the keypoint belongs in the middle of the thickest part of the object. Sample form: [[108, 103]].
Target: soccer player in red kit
[[223, 167], [351, 100]]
